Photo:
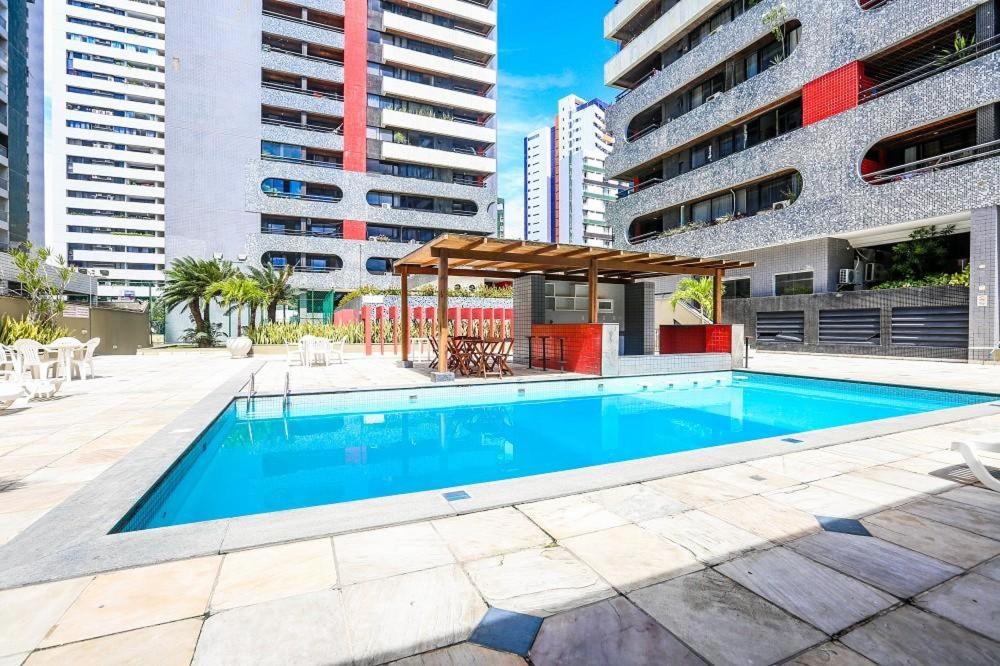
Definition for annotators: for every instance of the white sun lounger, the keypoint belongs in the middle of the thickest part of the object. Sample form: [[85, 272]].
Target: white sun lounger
[[968, 451]]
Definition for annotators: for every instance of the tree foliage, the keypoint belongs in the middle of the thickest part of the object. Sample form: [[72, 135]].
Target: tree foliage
[[699, 290], [187, 280], [926, 253], [43, 290]]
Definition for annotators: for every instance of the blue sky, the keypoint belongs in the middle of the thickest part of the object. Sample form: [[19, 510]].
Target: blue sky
[[548, 49]]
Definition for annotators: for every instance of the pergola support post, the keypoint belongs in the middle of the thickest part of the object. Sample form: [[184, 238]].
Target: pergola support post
[[442, 374], [717, 296], [404, 297], [592, 290]]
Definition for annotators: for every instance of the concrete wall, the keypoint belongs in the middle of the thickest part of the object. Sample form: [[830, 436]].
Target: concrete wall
[[745, 310], [122, 332], [984, 260]]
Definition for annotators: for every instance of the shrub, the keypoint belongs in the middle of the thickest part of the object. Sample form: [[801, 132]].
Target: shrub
[[12, 330], [273, 333], [961, 279]]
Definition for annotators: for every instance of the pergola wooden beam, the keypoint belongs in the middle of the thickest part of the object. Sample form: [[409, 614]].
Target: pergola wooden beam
[[522, 262]]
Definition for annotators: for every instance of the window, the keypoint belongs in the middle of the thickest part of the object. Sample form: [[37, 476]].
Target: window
[[736, 288], [378, 265], [789, 284]]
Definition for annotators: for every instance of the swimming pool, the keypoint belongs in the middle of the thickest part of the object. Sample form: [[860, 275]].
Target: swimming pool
[[265, 455]]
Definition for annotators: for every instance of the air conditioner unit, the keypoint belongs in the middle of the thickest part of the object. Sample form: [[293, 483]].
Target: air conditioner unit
[[711, 97], [778, 205], [874, 272], [385, 205], [847, 276]]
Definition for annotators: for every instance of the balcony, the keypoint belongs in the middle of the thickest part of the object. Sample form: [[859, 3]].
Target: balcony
[[932, 54], [773, 193], [927, 150], [748, 64], [281, 188], [303, 263]]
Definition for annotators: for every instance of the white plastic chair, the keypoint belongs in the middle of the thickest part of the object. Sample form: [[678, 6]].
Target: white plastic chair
[[968, 451], [9, 393], [293, 353], [31, 359], [320, 350], [336, 348], [81, 365], [10, 364]]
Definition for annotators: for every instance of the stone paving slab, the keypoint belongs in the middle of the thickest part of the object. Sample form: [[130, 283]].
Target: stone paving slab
[[389, 552], [899, 571], [464, 654], [609, 632], [946, 543], [979, 497], [265, 574], [137, 598], [972, 601], [171, 644], [817, 594], [630, 557], [397, 617], [819, 501], [830, 654], [475, 536], [990, 569], [957, 514], [570, 516], [910, 636], [307, 629], [766, 518], [27, 614], [696, 489], [539, 581], [711, 539], [637, 502], [711, 614]]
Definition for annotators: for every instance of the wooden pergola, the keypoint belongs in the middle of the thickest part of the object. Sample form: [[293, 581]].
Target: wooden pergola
[[475, 256]]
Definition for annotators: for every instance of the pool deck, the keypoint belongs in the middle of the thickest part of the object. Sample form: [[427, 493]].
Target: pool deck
[[735, 563]]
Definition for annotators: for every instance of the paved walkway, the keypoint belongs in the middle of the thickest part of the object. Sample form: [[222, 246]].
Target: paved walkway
[[877, 551]]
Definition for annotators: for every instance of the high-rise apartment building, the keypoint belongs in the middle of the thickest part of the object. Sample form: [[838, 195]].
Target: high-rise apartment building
[[328, 136], [104, 141], [13, 121], [812, 138], [566, 189]]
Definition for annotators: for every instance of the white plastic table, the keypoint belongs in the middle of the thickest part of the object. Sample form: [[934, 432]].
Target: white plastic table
[[64, 355]]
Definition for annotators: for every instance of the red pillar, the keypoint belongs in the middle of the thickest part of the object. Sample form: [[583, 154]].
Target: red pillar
[[380, 322], [366, 316], [393, 326], [355, 84]]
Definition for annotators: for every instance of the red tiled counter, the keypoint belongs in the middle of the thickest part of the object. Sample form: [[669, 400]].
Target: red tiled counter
[[711, 338], [581, 346]]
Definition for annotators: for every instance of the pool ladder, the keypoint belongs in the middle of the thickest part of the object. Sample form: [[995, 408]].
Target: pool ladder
[[287, 387]]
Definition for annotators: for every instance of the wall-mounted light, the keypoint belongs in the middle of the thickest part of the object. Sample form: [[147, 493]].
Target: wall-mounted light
[[241, 257], [218, 256]]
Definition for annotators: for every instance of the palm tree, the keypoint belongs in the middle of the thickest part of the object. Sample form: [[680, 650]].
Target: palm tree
[[237, 292], [186, 282], [274, 282], [699, 290]]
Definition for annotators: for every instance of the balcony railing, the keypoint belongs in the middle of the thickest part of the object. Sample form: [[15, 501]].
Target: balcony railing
[[648, 129], [322, 198], [638, 187], [302, 126], [293, 19], [940, 64], [931, 164], [295, 160], [4, 184], [267, 48], [306, 234], [284, 87], [872, 4]]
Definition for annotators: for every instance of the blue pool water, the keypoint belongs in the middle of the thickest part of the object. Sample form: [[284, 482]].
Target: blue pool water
[[323, 449]]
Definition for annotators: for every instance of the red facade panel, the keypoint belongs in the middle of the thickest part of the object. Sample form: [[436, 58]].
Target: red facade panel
[[355, 230], [713, 338], [355, 84], [581, 350], [834, 92]]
